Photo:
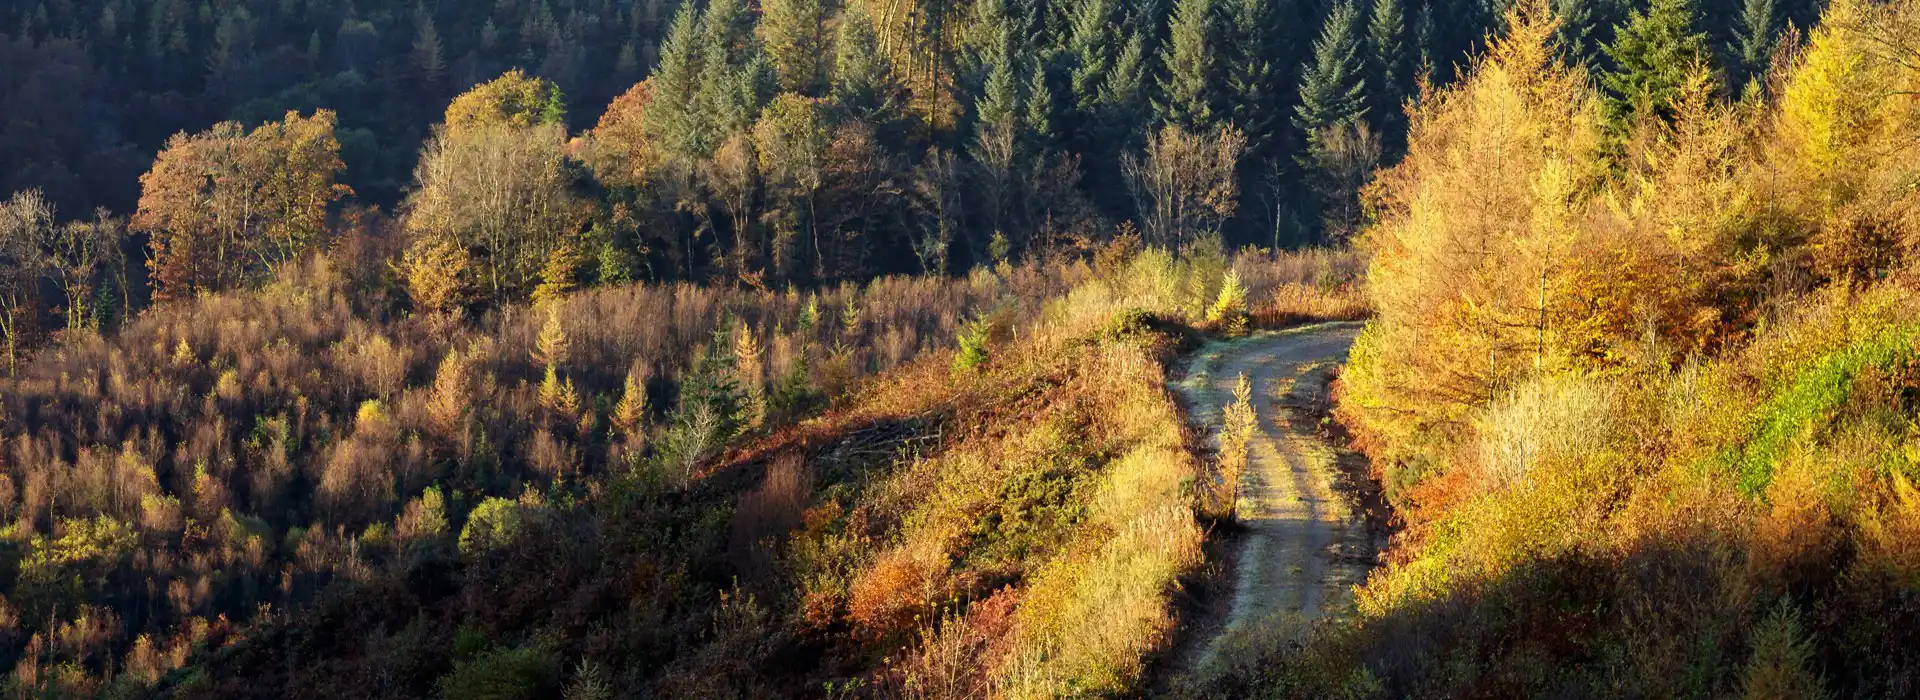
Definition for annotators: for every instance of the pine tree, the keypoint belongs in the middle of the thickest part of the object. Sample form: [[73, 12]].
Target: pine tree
[[671, 121], [1333, 88], [427, 57], [795, 35], [999, 103], [1036, 115], [735, 78], [1576, 33], [1089, 48], [1755, 38], [1390, 69], [1653, 56], [1423, 39], [1252, 76], [1125, 90], [1191, 89], [988, 40], [863, 79]]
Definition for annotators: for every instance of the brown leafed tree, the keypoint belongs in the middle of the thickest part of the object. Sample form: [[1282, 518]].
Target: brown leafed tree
[[621, 155], [226, 206]]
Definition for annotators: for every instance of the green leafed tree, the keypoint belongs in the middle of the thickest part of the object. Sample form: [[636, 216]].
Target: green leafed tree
[[863, 80], [1754, 38], [1090, 46], [1253, 75], [671, 122]]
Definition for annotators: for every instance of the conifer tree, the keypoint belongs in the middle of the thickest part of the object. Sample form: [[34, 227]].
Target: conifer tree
[[1125, 90], [1090, 53], [1191, 89], [1754, 38], [1423, 39], [735, 78], [795, 35], [863, 80], [1333, 87], [1653, 54], [1253, 76], [999, 102], [671, 121], [1036, 115], [1389, 68], [1333, 84], [1576, 34]]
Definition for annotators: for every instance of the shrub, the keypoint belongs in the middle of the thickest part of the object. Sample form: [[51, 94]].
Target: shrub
[[973, 346], [492, 524], [525, 672]]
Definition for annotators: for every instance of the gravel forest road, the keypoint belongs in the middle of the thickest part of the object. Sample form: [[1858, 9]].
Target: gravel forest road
[[1304, 545]]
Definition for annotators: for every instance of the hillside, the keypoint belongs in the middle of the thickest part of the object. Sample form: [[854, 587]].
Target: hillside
[[1655, 439], [1004, 348]]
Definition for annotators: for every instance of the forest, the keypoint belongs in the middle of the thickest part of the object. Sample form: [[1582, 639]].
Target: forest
[[803, 348]]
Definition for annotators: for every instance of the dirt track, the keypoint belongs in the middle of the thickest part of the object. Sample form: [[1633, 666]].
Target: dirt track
[[1305, 545]]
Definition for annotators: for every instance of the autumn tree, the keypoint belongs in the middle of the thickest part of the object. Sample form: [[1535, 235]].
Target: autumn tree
[[514, 100], [78, 260], [792, 137], [227, 206], [1477, 270], [623, 154], [494, 185], [26, 221], [1844, 145]]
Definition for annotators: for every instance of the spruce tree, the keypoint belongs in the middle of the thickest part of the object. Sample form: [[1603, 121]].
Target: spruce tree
[[989, 38], [1755, 39], [1423, 39], [1191, 87], [1576, 34], [863, 79], [795, 35], [999, 101], [1390, 68], [671, 120], [1653, 54], [1090, 53], [1252, 75], [1124, 93], [735, 78], [1333, 88], [1036, 116]]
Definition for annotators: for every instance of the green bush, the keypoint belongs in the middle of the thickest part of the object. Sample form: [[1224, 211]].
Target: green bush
[[495, 522], [973, 345], [503, 674]]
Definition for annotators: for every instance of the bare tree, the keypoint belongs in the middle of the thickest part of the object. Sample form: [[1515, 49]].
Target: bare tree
[[26, 221], [1345, 156], [936, 198], [1183, 185]]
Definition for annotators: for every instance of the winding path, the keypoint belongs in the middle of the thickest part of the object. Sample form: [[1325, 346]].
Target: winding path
[[1305, 546]]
